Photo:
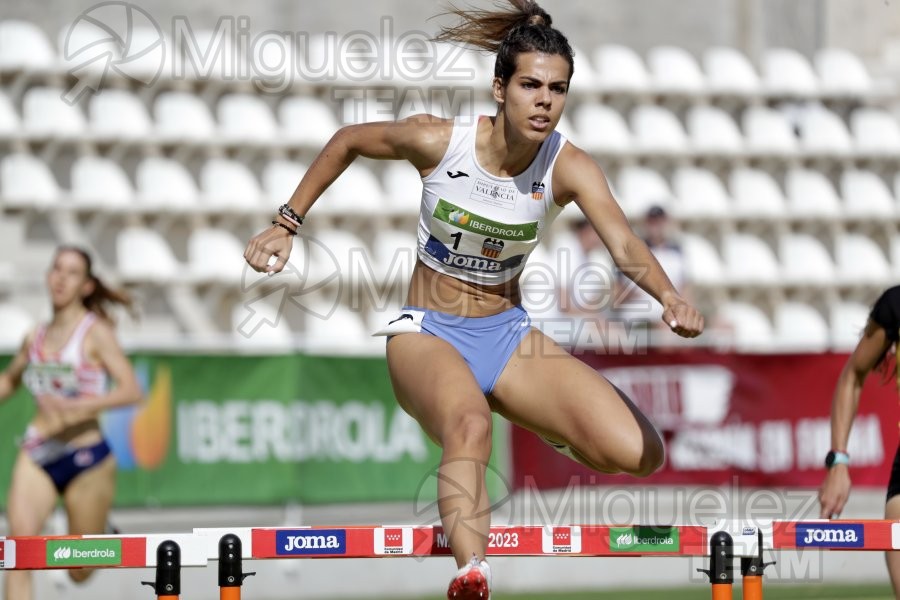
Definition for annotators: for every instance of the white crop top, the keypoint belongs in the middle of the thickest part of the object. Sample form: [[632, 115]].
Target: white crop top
[[478, 227], [65, 373]]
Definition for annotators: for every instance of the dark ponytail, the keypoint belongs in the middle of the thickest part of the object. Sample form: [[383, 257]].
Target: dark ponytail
[[526, 27], [100, 299]]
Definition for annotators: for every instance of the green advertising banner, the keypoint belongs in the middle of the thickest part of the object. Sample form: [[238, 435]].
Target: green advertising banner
[[217, 430]]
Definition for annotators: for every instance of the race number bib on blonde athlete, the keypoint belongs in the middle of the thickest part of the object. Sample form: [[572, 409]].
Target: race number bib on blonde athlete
[[467, 241], [52, 378]]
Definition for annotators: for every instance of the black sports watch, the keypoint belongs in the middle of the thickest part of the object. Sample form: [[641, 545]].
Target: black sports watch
[[836, 457]]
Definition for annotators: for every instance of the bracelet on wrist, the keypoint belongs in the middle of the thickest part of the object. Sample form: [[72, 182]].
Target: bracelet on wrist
[[287, 228], [290, 215]]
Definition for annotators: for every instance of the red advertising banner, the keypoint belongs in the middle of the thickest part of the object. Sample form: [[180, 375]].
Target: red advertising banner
[[761, 418]]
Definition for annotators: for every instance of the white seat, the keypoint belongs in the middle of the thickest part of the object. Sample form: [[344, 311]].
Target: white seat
[[120, 114], [88, 49], [748, 259], [209, 55], [620, 69], [823, 131], [866, 195], [100, 181], [842, 72], [322, 61], [26, 180], [875, 130], [848, 320], [142, 254], [457, 66], [728, 71], [752, 330], [280, 178], [165, 182], [356, 191], [258, 325], [183, 116], [674, 70], [756, 194], [44, 112], [860, 260], [15, 324], [702, 263], [402, 187], [229, 184], [24, 45], [216, 254], [767, 130], [641, 188], [700, 193], [805, 260], [307, 121], [246, 117], [394, 256], [800, 327], [148, 58], [787, 72], [343, 331], [811, 194], [657, 130], [713, 130], [332, 256], [894, 250], [602, 129], [9, 119]]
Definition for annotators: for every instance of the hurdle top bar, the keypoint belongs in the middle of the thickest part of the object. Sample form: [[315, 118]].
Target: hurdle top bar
[[201, 545]]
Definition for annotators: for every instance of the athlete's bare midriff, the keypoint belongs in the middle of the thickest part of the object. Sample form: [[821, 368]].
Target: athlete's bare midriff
[[436, 291], [78, 435]]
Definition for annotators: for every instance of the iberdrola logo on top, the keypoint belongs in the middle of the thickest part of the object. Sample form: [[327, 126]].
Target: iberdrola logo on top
[[458, 216]]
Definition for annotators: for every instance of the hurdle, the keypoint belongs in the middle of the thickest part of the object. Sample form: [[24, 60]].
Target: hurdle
[[723, 542]]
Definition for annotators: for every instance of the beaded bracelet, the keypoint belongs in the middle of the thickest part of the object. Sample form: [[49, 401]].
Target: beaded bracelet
[[288, 213], [285, 227]]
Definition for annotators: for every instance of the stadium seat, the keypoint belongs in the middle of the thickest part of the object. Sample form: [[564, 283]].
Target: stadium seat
[[332, 256], [602, 129], [749, 260], [307, 121], [246, 117], [673, 70], [842, 72], [25, 180], [620, 69], [756, 194], [24, 46], [207, 55], [100, 182], [229, 184], [215, 254], [357, 191], [639, 188], [805, 260], [45, 113], [119, 114], [894, 251], [712, 130], [847, 320], [657, 130], [149, 56], [768, 131], [751, 329], [866, 195], [787, 72], [259, 326], [728, 71], [875, 131], [164, 182], [183, 116], [800, 327], [701, 261], [15, 324], [810, 194], [699, 193], [860, 260], [393, 249], [9, 119], [344, 331], [88, 50], [402, 188], [280, 178], [143, 255], [822, 131]]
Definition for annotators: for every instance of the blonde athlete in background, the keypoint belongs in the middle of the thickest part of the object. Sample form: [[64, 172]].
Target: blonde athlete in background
[[66, 364], [463, 346], [873, 351]]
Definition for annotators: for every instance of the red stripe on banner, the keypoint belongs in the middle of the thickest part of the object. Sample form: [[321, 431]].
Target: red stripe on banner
[[134, 552]]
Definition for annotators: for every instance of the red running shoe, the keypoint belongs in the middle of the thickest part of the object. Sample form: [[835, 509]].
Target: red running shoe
[[472, 582]]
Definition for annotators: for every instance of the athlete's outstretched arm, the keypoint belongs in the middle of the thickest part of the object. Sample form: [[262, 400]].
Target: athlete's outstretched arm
[[577, 177], [419, 139], [11, 377]]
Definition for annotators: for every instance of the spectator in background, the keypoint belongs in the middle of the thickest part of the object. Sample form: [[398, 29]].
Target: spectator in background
[[630, 303], [876, 350]]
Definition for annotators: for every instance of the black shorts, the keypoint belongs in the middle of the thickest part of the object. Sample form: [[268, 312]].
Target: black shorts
[[894, 483]]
